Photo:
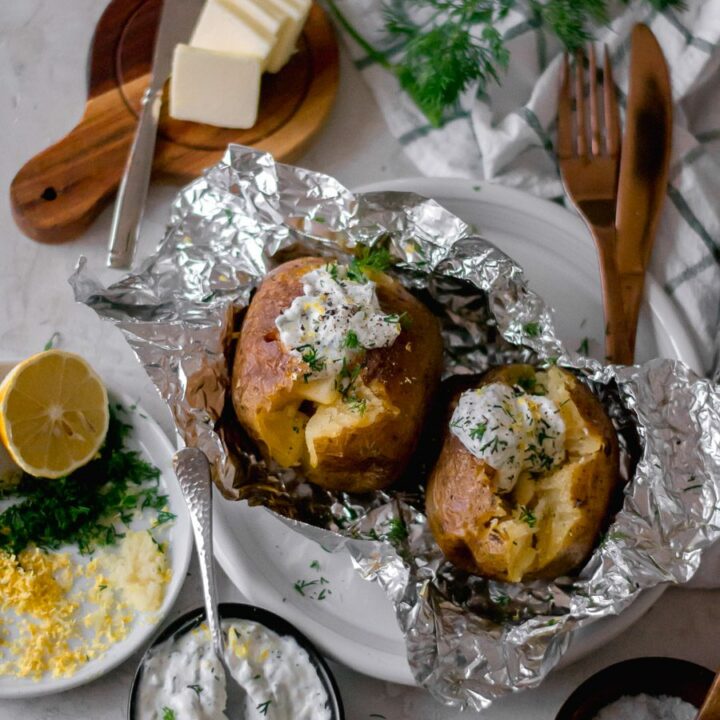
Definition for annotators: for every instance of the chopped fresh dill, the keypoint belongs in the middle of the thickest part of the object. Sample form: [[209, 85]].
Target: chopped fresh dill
[[311, 358], [84, 507], [262, 708], [397, 530], [357, 404], [351, 340], [315, 565], [528, 516], [478, 431], [332, 269], [196, 688], [165, 516], [168, 713], [368, 260], [50, 344], [532, 329], [302, 585], [345, 380], [402, 319]]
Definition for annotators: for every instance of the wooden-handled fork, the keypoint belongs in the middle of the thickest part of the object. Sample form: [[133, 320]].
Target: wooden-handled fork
[[589, 155]]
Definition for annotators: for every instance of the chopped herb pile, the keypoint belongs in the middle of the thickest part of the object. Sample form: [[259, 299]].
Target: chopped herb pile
[[83, 507], [445, 46]]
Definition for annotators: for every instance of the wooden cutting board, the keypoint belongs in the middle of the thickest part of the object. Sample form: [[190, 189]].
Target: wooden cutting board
[[58, 193]]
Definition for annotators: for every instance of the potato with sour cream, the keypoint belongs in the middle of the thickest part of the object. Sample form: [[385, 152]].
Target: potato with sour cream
[[525, 476], [334, 371]]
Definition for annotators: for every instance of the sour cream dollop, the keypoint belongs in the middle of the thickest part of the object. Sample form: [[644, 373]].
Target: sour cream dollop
[[182, 678], [510, 430], [334, 320]]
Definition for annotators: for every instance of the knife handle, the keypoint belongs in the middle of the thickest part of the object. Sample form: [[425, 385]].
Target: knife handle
[[58, 193], [618, 346], [130, 203], [632, 286]]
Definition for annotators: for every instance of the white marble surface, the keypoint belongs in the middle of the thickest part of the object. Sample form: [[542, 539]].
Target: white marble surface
[[43, 52]]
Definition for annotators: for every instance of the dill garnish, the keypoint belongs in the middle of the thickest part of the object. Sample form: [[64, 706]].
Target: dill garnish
[[351, 340], [528, 516], [84, 507], [368, 260]]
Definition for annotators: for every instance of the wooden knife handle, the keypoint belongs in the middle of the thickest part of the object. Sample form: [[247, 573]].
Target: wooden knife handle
[[58, 193]]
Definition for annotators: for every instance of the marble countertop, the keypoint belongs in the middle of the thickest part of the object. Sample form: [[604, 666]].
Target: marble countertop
[[43, 54]]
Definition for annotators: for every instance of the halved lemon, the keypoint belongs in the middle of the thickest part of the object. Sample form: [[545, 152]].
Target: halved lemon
[[53, 413]]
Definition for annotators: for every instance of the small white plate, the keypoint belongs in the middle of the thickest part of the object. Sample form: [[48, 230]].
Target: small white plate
[[154, 446], [355, 624]]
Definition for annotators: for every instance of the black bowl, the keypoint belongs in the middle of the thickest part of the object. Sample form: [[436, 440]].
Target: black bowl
[[238, 611], [650, 675]]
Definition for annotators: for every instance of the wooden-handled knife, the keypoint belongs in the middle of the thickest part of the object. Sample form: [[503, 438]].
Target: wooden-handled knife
[[644, 167]]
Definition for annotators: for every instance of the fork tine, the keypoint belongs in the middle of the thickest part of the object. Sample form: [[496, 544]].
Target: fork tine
[[565, 139], [595, 137], [612, 115], [580, 104]]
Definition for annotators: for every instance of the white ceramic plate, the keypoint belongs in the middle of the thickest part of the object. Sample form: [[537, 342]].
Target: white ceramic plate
[[153, 444], [355, 623]]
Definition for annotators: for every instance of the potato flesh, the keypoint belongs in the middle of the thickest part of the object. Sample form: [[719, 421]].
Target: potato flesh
[[293, 436], [549, 498]]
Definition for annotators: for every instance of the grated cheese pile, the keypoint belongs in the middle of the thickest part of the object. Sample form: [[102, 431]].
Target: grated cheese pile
[[59, 613]]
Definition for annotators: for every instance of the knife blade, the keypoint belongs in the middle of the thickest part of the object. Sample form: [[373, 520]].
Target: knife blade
[[644, 167], [177, 20]]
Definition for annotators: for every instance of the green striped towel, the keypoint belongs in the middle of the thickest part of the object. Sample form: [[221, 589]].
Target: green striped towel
[[507, 135]]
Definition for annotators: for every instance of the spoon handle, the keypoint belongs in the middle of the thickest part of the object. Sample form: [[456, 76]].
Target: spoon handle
[[193, 473]]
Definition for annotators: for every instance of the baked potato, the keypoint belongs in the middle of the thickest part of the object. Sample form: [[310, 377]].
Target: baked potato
[[543, 520], [349, 420]]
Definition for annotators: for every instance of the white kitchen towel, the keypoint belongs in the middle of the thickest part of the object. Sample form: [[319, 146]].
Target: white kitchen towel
[[507, 133]]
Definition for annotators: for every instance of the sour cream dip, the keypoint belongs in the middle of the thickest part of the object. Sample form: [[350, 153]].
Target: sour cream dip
[[648, 707], [182, 679], [510, 430]]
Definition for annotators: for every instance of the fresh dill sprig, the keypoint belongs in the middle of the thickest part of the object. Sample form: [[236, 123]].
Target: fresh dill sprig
[[458, 45]]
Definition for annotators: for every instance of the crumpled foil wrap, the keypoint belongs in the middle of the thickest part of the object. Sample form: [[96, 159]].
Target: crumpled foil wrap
[[469, 640]]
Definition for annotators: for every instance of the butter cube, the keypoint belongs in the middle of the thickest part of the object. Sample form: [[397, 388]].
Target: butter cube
[[213, 87], [291, 16], [219, 28]]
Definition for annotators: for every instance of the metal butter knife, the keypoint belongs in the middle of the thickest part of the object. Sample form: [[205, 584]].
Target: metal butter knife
[[644, 167], [176, 23]]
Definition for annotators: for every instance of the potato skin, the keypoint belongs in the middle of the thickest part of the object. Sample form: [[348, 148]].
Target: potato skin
[[462, 499], [406, 373]]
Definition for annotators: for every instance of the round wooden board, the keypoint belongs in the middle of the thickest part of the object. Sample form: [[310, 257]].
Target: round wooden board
[[58, 193]]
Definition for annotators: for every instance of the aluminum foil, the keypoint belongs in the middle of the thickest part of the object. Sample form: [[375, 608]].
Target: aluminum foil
[[469, 640]]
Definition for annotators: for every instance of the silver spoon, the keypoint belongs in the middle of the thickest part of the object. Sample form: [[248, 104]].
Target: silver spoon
[[193, 473]]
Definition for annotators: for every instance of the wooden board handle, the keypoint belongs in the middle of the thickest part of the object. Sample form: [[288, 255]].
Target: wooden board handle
[[58, 193]]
